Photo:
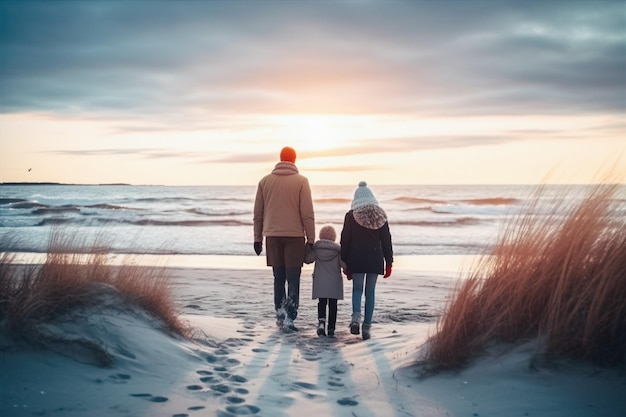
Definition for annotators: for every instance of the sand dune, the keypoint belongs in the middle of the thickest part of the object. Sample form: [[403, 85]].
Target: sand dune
[[239, 363]]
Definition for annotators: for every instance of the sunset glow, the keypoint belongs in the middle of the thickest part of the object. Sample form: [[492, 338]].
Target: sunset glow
[[391, 92]]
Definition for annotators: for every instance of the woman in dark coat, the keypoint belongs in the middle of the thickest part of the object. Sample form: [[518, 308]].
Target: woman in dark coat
[[367, 252]]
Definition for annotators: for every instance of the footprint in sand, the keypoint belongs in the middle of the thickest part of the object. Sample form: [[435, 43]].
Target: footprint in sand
[[237, 378], [221, 388], [212, 358], [312, 358], [203, 372], [347, 402], [244, 410], [335, 383], [235, 400], [150, 397], [340, 368], [248, 333], [309, 390], [305, 385], [237, 342], [115, 379], [221, 380], [159, 399]]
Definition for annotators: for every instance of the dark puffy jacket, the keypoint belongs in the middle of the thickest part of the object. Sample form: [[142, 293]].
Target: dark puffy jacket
[[366, 240]]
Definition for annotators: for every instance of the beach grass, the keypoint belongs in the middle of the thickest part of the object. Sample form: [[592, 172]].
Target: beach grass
[[559, 279], [70, 277]]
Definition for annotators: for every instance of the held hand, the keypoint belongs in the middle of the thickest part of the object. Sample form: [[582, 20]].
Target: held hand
[[387, 272], [258, 247], [347, 274]]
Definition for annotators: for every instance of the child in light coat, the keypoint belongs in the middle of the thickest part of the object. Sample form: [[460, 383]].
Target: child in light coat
[[327, 279]]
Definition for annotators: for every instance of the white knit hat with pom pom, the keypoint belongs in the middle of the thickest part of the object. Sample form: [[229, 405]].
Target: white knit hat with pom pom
[[363, 196]]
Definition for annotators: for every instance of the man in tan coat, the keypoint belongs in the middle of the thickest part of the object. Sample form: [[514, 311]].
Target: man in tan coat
[[283, 213]]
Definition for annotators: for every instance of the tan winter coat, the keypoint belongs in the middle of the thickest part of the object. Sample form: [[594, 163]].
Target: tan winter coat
[[283, 206]]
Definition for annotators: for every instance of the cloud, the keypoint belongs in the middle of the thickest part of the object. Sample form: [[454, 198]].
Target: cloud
[[397, 145], [348, 168], [140, 152], [377, 146], [189, 61]]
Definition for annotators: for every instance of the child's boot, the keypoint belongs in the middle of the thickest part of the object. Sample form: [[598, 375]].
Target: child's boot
[[321, 327]]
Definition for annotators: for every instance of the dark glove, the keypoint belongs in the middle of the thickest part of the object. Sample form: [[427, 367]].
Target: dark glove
[[348, 275], [258, 247], [387, 272]]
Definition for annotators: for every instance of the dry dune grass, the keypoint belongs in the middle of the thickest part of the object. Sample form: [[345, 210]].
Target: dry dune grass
[[30, 295], [559, 279]]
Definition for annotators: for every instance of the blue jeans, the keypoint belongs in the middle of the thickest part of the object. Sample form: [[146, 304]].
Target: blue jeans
[[290, 299], [369, 279]]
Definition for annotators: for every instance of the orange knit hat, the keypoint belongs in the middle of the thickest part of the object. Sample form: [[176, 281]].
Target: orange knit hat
[[288, 154]]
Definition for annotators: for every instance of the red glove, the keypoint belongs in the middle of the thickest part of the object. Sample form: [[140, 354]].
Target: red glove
[[387, 271]]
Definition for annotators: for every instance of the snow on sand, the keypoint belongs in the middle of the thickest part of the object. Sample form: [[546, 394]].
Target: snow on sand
[[239, 363]]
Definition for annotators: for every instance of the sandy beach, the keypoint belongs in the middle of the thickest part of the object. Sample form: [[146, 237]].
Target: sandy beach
[[477, 148], [239, 363]]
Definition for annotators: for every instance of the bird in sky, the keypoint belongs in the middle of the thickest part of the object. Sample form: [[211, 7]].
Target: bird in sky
[[29, 169]]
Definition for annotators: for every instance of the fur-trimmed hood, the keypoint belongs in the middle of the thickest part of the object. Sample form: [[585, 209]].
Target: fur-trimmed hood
[[370, 216], [285, 168], [326, 249]]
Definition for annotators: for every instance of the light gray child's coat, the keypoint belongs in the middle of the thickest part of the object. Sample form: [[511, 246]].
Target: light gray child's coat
[[327, 279]]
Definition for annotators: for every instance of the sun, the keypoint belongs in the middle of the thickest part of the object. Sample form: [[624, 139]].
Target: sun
[[314, 132], [319, 133]]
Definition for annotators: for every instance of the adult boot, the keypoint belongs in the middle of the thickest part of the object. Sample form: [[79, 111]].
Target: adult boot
[[366, 331], [355, 323]]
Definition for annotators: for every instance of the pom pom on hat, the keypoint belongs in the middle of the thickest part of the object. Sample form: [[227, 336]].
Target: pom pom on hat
[[328, 233], [288, 154], [363, 196]]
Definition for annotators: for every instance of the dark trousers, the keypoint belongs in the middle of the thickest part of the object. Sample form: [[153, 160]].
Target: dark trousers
[[290, 299], [332, 311]]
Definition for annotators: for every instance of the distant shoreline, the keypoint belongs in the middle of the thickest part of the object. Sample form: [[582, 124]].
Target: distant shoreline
[[47, 183], [58, 183], [440, 265]]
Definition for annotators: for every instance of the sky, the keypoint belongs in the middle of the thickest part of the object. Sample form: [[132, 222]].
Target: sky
[[391, 92]]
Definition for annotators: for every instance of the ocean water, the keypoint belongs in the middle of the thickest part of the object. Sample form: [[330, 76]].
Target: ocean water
[[216, 220]]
